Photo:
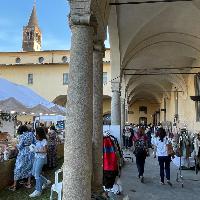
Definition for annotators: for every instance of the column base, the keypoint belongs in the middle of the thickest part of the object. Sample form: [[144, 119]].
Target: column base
[[100, 196]]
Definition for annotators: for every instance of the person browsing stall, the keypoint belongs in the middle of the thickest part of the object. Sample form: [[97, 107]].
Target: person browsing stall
[[40, 150]]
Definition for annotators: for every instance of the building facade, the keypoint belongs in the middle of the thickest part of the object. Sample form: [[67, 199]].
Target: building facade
[[46, 72]]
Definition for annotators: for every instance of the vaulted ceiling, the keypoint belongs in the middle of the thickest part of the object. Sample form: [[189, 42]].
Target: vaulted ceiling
[[146, 37]]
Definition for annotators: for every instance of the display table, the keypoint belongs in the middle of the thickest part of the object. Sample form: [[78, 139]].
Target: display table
[[6, 173], [7, 167]]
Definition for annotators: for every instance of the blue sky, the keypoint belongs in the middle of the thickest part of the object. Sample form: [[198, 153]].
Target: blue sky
[[52, 17]]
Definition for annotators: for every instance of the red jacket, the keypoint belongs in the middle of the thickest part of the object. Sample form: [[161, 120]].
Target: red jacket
[[109, 155]]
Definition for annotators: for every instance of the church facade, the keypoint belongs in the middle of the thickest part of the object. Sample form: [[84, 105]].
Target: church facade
[[45, 71]]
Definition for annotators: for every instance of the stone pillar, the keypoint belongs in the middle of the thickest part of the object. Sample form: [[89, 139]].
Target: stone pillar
[[126, 111], [122, 114], [176, 103], [115, 105], [79, 118], [165, 110], [97, 179]]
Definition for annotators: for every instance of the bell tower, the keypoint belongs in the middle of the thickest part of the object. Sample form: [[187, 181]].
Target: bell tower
[[32, 36]]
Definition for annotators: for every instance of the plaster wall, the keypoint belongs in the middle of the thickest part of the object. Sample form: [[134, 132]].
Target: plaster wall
[[106, 106], [48, 77], [151, 108]]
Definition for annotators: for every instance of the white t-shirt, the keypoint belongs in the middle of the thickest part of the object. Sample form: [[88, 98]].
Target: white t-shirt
[[161, 147], [128, 134], [39, 146]]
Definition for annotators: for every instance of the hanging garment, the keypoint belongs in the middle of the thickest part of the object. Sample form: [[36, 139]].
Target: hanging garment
[[110, 161]]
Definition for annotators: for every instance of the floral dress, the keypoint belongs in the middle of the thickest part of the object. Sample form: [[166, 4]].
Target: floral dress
[[25, 158]]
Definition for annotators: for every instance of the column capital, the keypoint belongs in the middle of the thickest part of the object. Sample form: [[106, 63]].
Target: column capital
[[86, 19], [115, 86], [122, 101], [80, 12]]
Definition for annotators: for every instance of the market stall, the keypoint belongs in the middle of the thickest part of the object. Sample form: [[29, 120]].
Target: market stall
[[17, 101]]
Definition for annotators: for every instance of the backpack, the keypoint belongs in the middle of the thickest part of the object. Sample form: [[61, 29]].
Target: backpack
[[140, 149]]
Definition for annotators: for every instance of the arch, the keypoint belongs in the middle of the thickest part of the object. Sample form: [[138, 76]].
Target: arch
[[158, 43], [136, 82], [61, 100], [129, 51], [144, 94]]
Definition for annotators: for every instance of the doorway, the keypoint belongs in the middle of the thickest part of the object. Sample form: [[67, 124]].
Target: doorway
[[143, 120]]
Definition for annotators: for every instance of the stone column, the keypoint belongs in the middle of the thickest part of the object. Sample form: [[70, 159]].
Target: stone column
[[122, 114], [115, 105], [165, 111], [126, 111], [79, 118], [97, 179], [176, 103]]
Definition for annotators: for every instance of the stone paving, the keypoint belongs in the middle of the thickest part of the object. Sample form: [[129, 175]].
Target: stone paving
[[152, 190]]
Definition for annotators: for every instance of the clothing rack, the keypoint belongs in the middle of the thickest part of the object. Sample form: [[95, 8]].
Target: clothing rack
[[179, 177], [182, 133]]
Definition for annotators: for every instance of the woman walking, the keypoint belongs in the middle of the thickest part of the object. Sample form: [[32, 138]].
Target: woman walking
[[164, 159], [40, 150], [25, 157], [141, 151]]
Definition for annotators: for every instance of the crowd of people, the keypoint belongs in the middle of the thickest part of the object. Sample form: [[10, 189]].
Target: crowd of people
[[141, 138], [36, 149]]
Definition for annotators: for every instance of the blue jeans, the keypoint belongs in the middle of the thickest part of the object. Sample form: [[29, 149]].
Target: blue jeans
[[164, 162], [37, 173]]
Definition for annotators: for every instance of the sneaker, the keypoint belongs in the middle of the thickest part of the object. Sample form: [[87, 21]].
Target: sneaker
[[35, 194], [44, 186], [162, 183]]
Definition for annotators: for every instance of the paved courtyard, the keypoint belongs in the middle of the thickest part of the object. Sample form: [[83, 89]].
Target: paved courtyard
[[135, 190], [152, 190]]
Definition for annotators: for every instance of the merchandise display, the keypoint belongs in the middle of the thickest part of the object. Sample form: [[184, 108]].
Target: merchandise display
[[7, 147]]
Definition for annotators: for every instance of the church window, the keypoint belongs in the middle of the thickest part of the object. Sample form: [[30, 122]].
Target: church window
[[64, 59], [30, 79], [18, 60], [41, 59], [105, 77], [65, 78], [31, 35], [28, 35], [143, 109]]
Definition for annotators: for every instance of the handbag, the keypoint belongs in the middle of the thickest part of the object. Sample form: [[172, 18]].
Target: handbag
[[170, 150]]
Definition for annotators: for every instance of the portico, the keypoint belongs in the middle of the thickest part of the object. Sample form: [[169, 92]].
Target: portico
[[154, 60]]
